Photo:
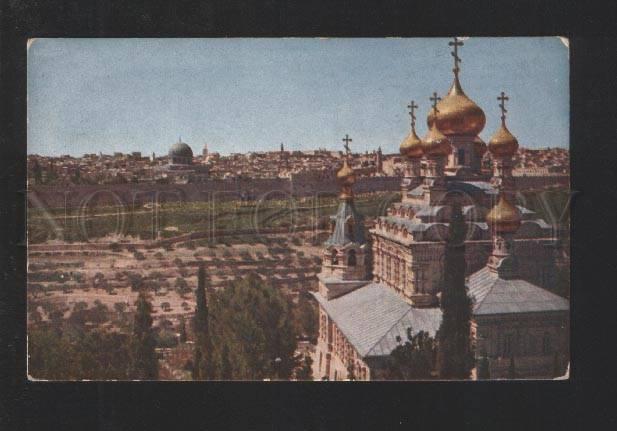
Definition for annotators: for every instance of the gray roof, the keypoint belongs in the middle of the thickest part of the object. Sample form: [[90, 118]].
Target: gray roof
[[492, 294], [372, 316], [340, 236]]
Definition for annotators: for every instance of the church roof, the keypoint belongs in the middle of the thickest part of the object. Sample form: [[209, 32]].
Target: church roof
[[373, 316], [340, 235], [492, 294]]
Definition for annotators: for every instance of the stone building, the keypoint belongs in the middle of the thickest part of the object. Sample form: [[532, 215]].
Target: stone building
[[180, 168], [363, 310]]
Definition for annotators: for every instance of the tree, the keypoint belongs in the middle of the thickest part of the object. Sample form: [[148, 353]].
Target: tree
[[305, 372], [144, 360], [255, 321], [413, 360], [454, 355], [203, 369]]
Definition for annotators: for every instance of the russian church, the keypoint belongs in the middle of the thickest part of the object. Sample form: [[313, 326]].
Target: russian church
[[376, 284]]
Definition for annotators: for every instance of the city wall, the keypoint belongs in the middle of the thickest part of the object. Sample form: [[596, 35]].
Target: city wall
[[218, 190]]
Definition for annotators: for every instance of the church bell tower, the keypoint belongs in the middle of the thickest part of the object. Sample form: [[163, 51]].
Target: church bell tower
[[344, 254]]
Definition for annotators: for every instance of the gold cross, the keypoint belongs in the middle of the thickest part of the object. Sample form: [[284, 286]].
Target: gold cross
[[456, 43], [435, 99], [502, 99], [412, 108]]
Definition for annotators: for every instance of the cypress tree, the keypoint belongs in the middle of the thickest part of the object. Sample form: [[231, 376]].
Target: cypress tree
[[144, 361], [454, 356], [203, 369]]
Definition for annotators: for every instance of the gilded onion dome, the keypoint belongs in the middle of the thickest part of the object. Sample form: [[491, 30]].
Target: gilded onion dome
[[411, 147], [436, 143], [504, 217], [458, 114], [346, 175], [503, 143]]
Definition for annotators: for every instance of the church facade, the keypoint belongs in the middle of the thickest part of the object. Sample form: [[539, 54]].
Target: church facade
[[365, 310]]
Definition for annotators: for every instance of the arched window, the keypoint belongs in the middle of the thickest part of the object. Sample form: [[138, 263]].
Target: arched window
[[351, 260], [334, 258]]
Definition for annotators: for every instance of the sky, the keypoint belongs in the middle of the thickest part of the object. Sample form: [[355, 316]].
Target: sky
[[240, 95]]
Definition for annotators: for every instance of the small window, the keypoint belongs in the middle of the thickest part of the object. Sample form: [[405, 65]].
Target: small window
[[461, 156], [351, 260]]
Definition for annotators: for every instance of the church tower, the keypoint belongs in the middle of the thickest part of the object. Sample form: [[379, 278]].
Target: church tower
[[503, 146], [411, 150], [344, 255], [461, 120], [436, 148]]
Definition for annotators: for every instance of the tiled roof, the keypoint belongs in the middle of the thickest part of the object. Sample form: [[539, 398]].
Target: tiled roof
[[372, 316], [340, 235], [494, 295]]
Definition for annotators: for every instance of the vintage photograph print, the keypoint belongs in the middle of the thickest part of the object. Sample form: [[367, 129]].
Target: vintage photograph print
[[309, 209]]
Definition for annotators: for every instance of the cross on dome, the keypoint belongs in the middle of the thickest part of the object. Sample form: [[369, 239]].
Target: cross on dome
[[435, 99], [347, 140], [457, 60], [412, 108], [502, 99]]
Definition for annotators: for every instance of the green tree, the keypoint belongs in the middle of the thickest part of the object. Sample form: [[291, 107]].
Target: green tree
[[413, 360], [454, 355], [305, 372], [203, 369], [144, 360], [256, 322]]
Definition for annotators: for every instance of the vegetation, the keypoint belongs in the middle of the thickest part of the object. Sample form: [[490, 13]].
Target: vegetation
[[455, 358], [144, 361], [413, 360]]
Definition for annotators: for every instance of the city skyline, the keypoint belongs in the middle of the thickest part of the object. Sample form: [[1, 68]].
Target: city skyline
[[105, 95]]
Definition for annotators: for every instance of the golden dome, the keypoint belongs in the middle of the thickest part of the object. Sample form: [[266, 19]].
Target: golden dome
[[436, 143], [411, 147], [346, 175], [503, 143], [458, 114], [504, 216]]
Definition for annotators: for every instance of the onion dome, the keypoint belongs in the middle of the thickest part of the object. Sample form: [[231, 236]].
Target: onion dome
[[180, 149], [436, 143], [503, 143], [411, 147], [346, 175], [504, 217], [458, 114], [479, 147]]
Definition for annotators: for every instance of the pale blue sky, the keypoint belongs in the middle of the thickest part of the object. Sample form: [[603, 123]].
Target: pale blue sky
[[239, 95]]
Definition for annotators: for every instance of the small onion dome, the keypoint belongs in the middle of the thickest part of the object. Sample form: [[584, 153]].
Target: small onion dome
[[180, 149], [458, 114], [346, 175], [503, 143], [436, 143], [411, 147], [504, 216], [479, 147]]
